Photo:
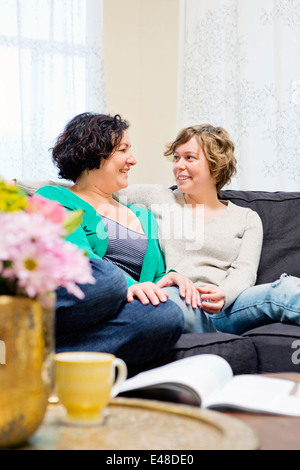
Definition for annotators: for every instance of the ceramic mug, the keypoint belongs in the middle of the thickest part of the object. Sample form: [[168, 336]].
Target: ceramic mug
[[85, 382]]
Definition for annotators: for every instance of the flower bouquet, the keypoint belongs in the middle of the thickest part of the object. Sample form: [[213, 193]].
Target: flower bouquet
[[35, 258]]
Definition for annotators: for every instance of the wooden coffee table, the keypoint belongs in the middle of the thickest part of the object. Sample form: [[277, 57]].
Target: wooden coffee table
[[210, 430], [274, 432]]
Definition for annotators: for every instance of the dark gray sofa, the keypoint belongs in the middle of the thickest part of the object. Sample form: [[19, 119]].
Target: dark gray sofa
[[270, 348]]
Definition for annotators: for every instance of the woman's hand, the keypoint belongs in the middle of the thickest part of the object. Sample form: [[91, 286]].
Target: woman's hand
[[145, 292], [212, 298], [187, 288]]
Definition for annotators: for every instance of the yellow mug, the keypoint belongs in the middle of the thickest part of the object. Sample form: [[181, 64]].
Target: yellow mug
[[85, 382]]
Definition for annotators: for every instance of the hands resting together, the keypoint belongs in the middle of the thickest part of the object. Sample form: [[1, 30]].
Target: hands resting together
[[210, 298]]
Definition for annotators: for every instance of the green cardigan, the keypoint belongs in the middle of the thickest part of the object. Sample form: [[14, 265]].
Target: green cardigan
[[91, 235]]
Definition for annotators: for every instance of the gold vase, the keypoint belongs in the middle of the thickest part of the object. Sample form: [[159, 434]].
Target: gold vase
[[26, 366]]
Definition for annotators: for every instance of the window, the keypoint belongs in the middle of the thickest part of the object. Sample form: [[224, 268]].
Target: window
[[51, 70]]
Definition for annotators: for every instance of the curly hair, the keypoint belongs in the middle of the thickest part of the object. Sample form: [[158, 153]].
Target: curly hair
[[86, 140], [218, 149]]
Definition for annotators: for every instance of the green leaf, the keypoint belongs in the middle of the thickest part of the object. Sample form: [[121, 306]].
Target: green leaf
[[73, 221]]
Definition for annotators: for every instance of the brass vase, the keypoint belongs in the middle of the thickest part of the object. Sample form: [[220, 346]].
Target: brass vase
[[26, 366]]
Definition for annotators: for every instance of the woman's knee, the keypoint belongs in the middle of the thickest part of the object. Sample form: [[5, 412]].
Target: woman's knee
[[156, 330], [170, 319], [195, 320], [158, 324], [285, 290], [288, 283]]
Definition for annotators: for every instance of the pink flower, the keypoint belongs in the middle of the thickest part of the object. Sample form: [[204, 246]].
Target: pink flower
[[35, 257], [35, 269], [50, 209], [74, 267]]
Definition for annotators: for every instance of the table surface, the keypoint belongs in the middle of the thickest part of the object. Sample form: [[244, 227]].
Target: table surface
[[274, 432], [135, 424]]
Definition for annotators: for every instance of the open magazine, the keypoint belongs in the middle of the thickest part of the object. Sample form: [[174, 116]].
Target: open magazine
[[207, 380]]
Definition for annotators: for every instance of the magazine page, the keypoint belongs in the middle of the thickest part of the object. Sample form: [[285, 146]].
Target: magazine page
[[204, 374], [257, 394]]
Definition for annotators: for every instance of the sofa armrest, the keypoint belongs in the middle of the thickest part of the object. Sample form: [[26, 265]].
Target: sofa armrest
[[30, 187]]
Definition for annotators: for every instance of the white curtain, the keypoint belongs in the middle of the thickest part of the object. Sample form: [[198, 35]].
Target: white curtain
[[51, 70], [240, 68]]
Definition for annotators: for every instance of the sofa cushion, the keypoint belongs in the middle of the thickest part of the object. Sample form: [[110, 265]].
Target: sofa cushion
[[279, 212], [238, 351], [277, 347], [240, 354]]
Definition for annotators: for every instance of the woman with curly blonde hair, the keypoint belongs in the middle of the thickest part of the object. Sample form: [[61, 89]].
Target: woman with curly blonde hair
[[217, 147], [214, 242]]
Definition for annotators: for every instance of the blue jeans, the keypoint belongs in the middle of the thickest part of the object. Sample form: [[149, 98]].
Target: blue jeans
[[105, 321], [195, 320], [260, 305]]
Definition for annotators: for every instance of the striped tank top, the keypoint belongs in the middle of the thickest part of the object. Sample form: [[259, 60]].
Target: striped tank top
[[126, 248]]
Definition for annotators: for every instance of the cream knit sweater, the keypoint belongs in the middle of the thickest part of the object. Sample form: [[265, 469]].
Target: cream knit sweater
[[223, 251]]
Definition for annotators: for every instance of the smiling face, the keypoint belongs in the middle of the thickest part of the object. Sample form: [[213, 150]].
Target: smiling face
[[191, 168], [113, 172]]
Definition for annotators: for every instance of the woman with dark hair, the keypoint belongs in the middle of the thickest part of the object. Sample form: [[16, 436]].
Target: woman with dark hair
[[86, 141], [94, 152]]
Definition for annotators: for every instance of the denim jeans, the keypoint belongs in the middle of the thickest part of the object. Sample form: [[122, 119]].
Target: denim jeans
[[105, 321], [195, 320], [259, 305]]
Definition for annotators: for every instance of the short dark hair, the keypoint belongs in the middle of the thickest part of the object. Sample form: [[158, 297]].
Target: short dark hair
[[86, 140]]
